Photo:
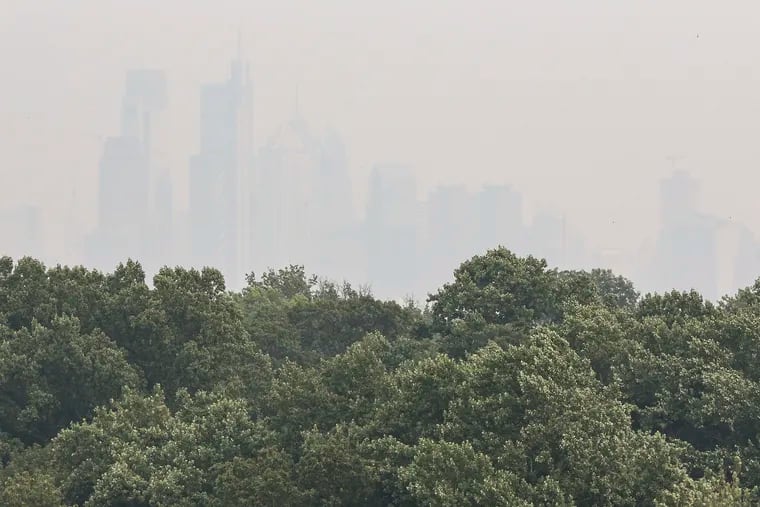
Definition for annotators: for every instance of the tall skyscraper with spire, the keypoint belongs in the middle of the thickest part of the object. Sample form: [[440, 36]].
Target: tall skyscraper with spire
[[219, 186]]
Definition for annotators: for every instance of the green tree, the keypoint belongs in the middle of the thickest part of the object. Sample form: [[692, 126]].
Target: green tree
[[50, 377], [415, 398], [446, 474], [500, 287], [26, 489], [540, 412]]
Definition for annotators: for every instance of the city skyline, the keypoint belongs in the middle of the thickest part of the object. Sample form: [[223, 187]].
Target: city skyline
[[527, 98], [289, 201], [569, 104]]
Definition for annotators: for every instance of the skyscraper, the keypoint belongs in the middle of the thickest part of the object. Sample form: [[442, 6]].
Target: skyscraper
[[161, 248], [391, 230], [747, 260], [685, 253], [546, 237], [336, 248], [736, 256], [302, 209], [679, 196], [551, 237], [144, 97], [219, 186], [125, 175], [451, 231], [500, 219], [284, 200]]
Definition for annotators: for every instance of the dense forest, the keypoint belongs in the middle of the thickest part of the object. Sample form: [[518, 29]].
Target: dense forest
[[516, 384]]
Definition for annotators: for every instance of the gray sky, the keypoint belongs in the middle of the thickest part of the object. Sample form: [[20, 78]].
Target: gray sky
[[577, 104]]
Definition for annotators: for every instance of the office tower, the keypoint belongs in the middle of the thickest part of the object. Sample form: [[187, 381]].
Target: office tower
[[546, 237], [575, 253], [685, 253], [161, 249], [551, 237], [500, 219], [219, 176], [737, 256], [144, 97], [125, 175], [746, 260], [334, 182], [451, 231], [679, 196], [303, 212], [391, 228], [122, 204], [337, 249], [643, 273], [284, 202], [20, 234]]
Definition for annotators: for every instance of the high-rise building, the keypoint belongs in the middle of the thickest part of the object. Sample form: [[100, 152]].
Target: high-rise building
[[337, 247], [746, 260], [284, 202], [125, 174], [551, 237], [161, 248], [123, 198], [685, 252], [737, 256], [334, 182], [391, 228], [303, 212], [144, 96], [500, 219], [219, 176], [546, 237], [679, 196], [451, 232]]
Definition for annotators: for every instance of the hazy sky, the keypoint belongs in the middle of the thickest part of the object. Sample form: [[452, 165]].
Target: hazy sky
[[577, 104]]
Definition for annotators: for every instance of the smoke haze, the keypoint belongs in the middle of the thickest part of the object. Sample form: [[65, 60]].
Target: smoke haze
[[581, 109]]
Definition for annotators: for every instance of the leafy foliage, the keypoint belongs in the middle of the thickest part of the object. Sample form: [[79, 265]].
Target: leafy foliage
[[517, 385]]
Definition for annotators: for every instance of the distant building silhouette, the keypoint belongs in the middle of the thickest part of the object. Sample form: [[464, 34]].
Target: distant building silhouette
[[545, 237], [336, 247], [746, 260], [163, 236], [552, 238], [293, 204], [219, 176], [451, 232], [500, 219], [391, 230], [125, 175], [737, 256], [303, 211], [144, 96], [122, 203], [679, 199], [685, 252]]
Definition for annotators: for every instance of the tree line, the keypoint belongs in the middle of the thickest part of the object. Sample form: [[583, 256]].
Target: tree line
[[516, 384]]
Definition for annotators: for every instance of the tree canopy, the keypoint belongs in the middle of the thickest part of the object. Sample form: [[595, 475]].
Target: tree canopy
[[517, 384]]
